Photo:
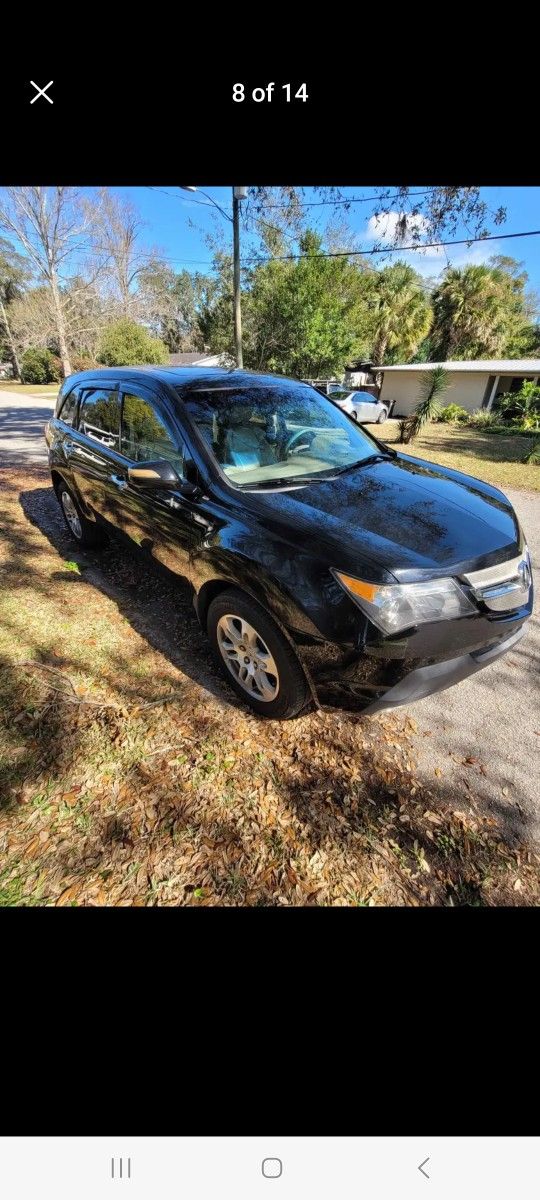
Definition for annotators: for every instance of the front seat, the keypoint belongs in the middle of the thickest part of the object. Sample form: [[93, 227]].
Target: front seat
[[245, 444]]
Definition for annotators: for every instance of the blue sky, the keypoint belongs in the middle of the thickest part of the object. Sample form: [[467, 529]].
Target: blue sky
[[169, 211]]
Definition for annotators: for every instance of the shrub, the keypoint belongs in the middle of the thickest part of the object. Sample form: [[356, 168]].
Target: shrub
[[38, 366], [126, 344], [83, 362], [452, 412], [483, 419], [57, 369], [530, 423], [513, 406], [533, 457]]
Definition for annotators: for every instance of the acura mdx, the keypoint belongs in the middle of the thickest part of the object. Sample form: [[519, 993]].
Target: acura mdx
[[325, 566]]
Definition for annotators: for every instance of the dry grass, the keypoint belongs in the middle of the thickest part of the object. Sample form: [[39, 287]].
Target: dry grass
[[130, 775], [492, 457], [29, 389]]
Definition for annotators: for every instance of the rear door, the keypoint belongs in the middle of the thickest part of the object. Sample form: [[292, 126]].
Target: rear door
[[367, 409], [92, 449]]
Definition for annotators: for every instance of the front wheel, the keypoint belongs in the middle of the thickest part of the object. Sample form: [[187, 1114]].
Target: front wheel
[[382, 418], [255, 657]]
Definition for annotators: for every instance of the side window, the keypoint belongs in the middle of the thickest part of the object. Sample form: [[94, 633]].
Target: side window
[[144, 435], [68, 407], [99, 417]]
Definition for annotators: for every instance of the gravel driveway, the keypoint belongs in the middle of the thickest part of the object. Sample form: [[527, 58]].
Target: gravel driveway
[[482, 736]]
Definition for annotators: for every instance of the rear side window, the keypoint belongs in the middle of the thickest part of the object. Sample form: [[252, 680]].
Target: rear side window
[[68, 407], [99, 417]]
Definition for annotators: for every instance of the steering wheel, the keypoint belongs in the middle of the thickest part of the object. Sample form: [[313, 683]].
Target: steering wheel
[[307, 434]]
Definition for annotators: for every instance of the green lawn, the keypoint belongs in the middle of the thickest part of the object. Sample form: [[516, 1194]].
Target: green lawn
[[29, 389], [492, 457]]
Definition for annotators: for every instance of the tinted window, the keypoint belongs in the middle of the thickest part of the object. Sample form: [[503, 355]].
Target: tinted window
[[99, 417], [144, 435], [68, 407], [285, 430]]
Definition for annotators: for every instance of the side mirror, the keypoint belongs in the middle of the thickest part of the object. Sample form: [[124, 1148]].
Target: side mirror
[[161, 474]]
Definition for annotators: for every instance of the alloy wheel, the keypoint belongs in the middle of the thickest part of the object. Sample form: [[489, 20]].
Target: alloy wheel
[[71, 515], [247, 657]]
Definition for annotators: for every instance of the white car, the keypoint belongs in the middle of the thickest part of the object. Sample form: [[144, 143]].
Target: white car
[[364, 407]]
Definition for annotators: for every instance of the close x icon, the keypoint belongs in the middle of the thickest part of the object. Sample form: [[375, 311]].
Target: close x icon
[[42, 91]]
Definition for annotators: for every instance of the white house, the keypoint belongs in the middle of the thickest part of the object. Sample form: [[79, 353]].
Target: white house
[[198, 359], [473, 384]]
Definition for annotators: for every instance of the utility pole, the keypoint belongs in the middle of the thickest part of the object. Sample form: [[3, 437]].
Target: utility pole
[[239, 193]]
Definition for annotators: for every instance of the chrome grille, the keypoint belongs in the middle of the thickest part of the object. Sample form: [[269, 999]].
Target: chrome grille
[[504, 586]]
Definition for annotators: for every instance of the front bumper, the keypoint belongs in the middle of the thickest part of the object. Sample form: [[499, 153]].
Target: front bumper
[[435, 678], [393, 672]]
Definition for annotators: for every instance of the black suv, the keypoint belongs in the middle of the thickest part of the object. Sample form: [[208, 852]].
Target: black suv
[[324, 565]]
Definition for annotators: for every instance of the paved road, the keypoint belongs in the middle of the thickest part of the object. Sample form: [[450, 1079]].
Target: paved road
[[22, 419], [492, 718]]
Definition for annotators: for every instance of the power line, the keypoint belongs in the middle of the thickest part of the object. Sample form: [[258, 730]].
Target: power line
[[204, 203], [351, 200], [206, 262], [493, 237], [301, 203]]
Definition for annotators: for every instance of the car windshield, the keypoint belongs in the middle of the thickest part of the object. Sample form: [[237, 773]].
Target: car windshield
[[278, 432]]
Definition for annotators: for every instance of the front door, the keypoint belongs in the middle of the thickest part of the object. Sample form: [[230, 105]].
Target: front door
[[163, 523]]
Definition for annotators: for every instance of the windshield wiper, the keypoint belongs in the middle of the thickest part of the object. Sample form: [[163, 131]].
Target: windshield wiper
[[290, 481], [364, 462]]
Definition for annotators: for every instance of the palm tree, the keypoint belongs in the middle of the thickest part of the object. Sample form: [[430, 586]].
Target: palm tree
[[433, 386], [473, 313], [401, 313]]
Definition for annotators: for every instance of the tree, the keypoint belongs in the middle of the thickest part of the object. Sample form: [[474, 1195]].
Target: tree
[[482, 312], [401, 313], [126, 344], [303, 318], [85, 315], [171, 304], [434, 384], [115, 242], [51, 225], [12, 279], [404, 215]]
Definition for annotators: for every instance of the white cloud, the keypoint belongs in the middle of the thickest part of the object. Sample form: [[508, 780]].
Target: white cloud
[[429, 262], [384, 230]]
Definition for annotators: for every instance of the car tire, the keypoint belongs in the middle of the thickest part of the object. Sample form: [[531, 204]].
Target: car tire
[[243, 637], [382, 418], [83, 532]]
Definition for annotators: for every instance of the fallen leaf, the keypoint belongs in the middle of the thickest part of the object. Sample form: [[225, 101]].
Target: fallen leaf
[[70, 798]]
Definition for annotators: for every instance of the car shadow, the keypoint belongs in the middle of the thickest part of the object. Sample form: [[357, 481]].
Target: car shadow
[[158, 607]]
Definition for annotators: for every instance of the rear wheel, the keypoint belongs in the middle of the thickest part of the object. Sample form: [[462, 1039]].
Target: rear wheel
[[382, 418], [83, 531], [254, 656]]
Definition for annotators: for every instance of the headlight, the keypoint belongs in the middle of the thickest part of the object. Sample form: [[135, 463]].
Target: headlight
[[398, 605]]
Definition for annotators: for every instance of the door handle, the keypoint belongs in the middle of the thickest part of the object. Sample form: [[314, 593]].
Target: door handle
[[119, 482]]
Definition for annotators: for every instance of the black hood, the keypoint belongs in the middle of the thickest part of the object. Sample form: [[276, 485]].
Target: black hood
[[401, 516]]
